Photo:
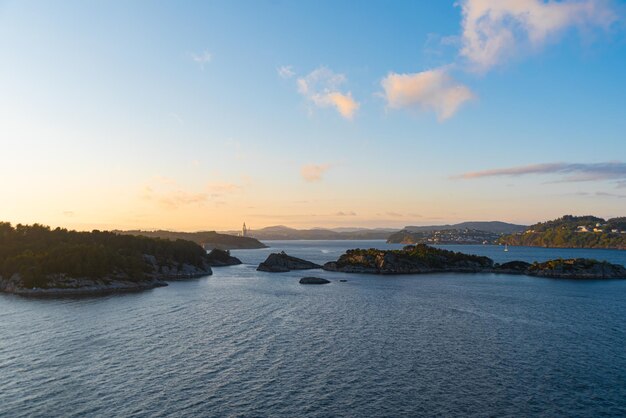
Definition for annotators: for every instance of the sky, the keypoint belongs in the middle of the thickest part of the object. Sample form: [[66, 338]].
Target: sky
[[204, 115]]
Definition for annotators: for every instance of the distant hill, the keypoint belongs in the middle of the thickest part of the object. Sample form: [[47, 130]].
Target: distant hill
[[280, 232], [495, 227], [208, 239], [573, 232], [444, 237]]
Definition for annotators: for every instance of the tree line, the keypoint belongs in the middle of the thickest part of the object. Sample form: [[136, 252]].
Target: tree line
[[36, 252]]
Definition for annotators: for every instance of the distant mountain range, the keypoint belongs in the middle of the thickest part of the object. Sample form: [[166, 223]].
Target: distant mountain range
[[281, 232], [462, 233], [495, 227]]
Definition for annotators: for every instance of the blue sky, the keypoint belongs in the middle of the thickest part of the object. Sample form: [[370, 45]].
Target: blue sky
[[205, 114]]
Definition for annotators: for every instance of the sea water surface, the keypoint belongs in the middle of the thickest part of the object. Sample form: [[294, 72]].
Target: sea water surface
[[248, 343]]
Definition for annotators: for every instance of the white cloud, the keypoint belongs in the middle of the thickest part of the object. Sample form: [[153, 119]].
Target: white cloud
[[285, 71], [433, 90], [174, 199], [202, 58], [168, 194], [321, 87], [313, 172], [344, 103], [494, 30]]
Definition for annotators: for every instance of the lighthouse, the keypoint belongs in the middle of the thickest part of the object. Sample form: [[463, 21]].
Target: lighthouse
[[244, 230]]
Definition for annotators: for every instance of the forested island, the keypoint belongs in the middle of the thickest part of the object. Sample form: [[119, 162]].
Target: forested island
[[412, 259], [35, 259], [572, 232], [207, 239], [423, 259]]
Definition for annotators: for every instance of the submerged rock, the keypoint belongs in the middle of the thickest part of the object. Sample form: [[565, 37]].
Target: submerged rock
[[220, 258], [281, 262], [313, 280]]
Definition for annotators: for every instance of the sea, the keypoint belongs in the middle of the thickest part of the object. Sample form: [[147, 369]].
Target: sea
[[242, 343]]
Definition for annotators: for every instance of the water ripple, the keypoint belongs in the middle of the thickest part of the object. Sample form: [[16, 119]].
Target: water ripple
[[242, 343]]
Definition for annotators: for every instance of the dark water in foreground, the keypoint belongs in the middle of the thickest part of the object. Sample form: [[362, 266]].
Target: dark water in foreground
[[244, 343]]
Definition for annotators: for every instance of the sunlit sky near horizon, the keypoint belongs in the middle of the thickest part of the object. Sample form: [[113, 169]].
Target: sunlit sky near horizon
[[203, 115]]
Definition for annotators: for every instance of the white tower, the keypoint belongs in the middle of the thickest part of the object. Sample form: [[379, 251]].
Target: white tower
[[244, 230]]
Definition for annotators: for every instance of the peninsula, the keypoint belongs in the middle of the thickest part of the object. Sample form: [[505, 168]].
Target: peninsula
[[572, 232], [207, 239]]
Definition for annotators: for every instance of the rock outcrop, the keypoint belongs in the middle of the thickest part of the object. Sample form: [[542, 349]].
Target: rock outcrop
[[313, 280], [220, 258], [577, 268], [281, 262]]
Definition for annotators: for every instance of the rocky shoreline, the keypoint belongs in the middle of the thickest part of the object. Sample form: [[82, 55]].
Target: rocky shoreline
[[62, 285]]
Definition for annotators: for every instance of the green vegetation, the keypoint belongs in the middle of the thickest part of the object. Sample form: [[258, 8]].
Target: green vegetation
[[36, 253], [421, 259], [412, 258], [207, 239], [436, 257], [573, 232]]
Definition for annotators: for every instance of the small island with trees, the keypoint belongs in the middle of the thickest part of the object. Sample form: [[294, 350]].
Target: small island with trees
[[38, 260]]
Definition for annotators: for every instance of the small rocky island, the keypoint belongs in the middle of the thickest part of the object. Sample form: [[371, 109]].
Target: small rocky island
[[221, 258], [281, 263], [38, 261], [421, 259], [313, 280]]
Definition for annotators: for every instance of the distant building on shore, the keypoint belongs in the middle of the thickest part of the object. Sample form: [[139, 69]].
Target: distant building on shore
[[245, 230]]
